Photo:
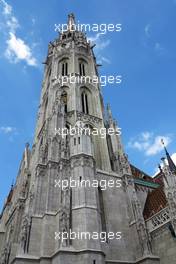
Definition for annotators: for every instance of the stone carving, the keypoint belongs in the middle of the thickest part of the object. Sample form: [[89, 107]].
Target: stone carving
[[172, 206], [141, 226], [43, 153], [64, 224], [55, 148], [24, 188], [63, 148], [24, 237], [170, 191], [144, 238], [31, 196], [124, 164], [5, 254], [65, 197], [88, 118], [82, 161], [64, 219], [158, 220]]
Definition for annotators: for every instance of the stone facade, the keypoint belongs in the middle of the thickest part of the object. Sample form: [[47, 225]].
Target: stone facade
[[36, 209]]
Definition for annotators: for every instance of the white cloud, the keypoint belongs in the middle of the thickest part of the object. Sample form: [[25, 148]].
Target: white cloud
[[100, 45], [157, 147], [7, 9], [94, 38], [33, 21], [103, 44], [149, 143], [147, 30], [18, 50], [173, 156], [103, 59], [158, 47], [146, 135], [7, 129], [12, 23]]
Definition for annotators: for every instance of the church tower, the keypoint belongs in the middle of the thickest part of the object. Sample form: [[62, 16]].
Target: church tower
[[169, 179], [37, 209]]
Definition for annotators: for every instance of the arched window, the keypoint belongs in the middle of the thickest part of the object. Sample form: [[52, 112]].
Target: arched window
[[63, 67], [64, 100], [82, 67], [84, 100]]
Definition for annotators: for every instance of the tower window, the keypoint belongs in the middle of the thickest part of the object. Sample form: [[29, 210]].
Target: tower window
[[102, 211], [82, 68], [63, 67], [75, 141], [84, 99], [94, 261], [64, 101], [79, 140]]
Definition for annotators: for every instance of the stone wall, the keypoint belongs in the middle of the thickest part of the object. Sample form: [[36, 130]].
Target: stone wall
[[164, 245]]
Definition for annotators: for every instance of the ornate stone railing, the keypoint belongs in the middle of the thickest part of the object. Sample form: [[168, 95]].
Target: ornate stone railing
[[158, 220]]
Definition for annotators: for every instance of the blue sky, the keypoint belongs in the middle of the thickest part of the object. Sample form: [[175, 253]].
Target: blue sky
[[143, 53]]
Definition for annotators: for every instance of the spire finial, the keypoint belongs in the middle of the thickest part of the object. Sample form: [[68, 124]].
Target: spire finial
[[162, 142], [71, 22]]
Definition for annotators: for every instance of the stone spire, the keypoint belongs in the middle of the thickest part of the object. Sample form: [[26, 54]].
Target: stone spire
[[71, 22], [171, 164], [109, 112]]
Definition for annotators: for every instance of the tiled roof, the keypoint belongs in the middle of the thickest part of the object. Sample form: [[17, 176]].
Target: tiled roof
[[137, 173], [158, 178], [156, 200]]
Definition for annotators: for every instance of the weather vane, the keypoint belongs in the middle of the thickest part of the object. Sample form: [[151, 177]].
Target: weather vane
[[162, 142]]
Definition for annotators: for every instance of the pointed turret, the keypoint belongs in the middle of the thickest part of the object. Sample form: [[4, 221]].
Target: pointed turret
[[109, 112], [171, 164]]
